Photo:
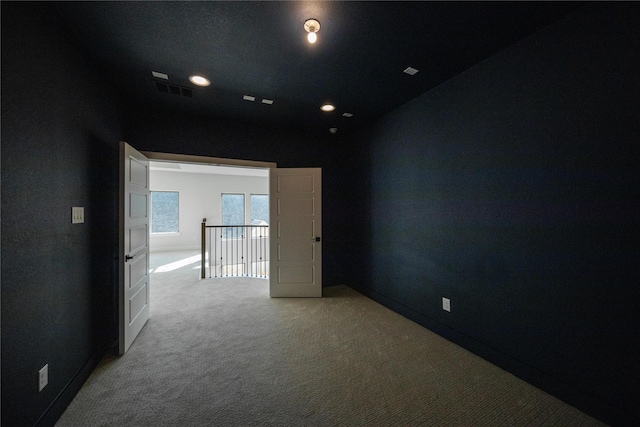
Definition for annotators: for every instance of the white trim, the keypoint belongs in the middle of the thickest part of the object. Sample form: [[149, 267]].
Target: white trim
[[185, 158]]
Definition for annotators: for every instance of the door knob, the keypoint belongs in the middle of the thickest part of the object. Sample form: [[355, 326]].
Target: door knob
[[128, 258]]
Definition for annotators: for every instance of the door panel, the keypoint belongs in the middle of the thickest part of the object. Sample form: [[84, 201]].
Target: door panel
[[139, 171], [296, 275], [138, 270], [134, 245], [302, 183], [303, 252], [296, 215], [138, 205], [138, 303], [138, 238], [296, 229], [295, 207]]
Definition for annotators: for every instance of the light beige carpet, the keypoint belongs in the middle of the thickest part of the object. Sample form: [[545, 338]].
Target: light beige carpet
[[220, 352]]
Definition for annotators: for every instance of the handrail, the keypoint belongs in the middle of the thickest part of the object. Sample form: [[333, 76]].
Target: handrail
[[234, 250]]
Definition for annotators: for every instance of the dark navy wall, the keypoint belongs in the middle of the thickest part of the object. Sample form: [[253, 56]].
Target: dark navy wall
[[61, 127], [514, 190], [60, 130]]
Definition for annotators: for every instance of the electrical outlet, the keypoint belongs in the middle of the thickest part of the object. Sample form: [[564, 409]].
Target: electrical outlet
[[77, 215], [43, 377], [446, 304]]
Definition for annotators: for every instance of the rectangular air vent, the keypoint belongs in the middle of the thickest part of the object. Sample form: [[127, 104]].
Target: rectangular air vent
[[176, 90], [162, 87]]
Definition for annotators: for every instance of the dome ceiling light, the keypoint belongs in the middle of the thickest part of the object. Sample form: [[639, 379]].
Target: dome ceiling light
[[312, 26]]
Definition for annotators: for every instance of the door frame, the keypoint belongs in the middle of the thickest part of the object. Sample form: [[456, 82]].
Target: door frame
[[195, 159], [205, 160]]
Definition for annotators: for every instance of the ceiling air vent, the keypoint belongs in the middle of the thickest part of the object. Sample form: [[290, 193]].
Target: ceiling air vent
[[158, 75], [411, 71], [176, 90]]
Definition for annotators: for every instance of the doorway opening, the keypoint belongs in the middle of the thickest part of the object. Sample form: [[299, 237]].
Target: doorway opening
[[184, 198], [221, 212], [295, 210], [197, 184]]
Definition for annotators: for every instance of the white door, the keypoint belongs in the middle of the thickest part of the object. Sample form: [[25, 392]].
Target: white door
[[134, 244], [296, 230]]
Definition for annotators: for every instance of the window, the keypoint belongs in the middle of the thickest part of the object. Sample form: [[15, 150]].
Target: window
[[259, 209], [232, 213], [164, 212]]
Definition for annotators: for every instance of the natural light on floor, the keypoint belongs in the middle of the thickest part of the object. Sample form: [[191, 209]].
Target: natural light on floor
[[176, 265]]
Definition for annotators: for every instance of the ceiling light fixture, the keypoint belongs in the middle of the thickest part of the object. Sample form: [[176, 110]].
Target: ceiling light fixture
[[312, 26], [327, 107], [199, 80]]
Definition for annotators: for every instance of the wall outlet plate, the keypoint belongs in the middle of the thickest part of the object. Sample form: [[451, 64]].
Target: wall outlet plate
[[446, 304], [77, 215]]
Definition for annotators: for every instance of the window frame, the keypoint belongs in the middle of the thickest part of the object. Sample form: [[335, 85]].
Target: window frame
[[244, 214], [251, 206], [163, 233]]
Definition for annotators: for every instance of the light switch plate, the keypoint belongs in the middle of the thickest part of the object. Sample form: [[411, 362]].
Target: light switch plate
[[446, 304], [43, 377], [77, 215]]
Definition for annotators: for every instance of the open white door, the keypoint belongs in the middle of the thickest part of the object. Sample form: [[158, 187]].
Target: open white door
[[295, 210], [134, 245]]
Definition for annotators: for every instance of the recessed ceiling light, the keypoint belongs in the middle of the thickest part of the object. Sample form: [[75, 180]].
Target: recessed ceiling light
[[267, 101], [159, 75], [347, 115], [327, 107], [333, 130], [249, 98], [199, 80], [411, 71]]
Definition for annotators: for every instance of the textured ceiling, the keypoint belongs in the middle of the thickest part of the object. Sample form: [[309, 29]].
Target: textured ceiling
[[260, 49]]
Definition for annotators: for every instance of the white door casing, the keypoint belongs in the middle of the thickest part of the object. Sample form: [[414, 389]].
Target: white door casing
[[295, 210], [134, 245]]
